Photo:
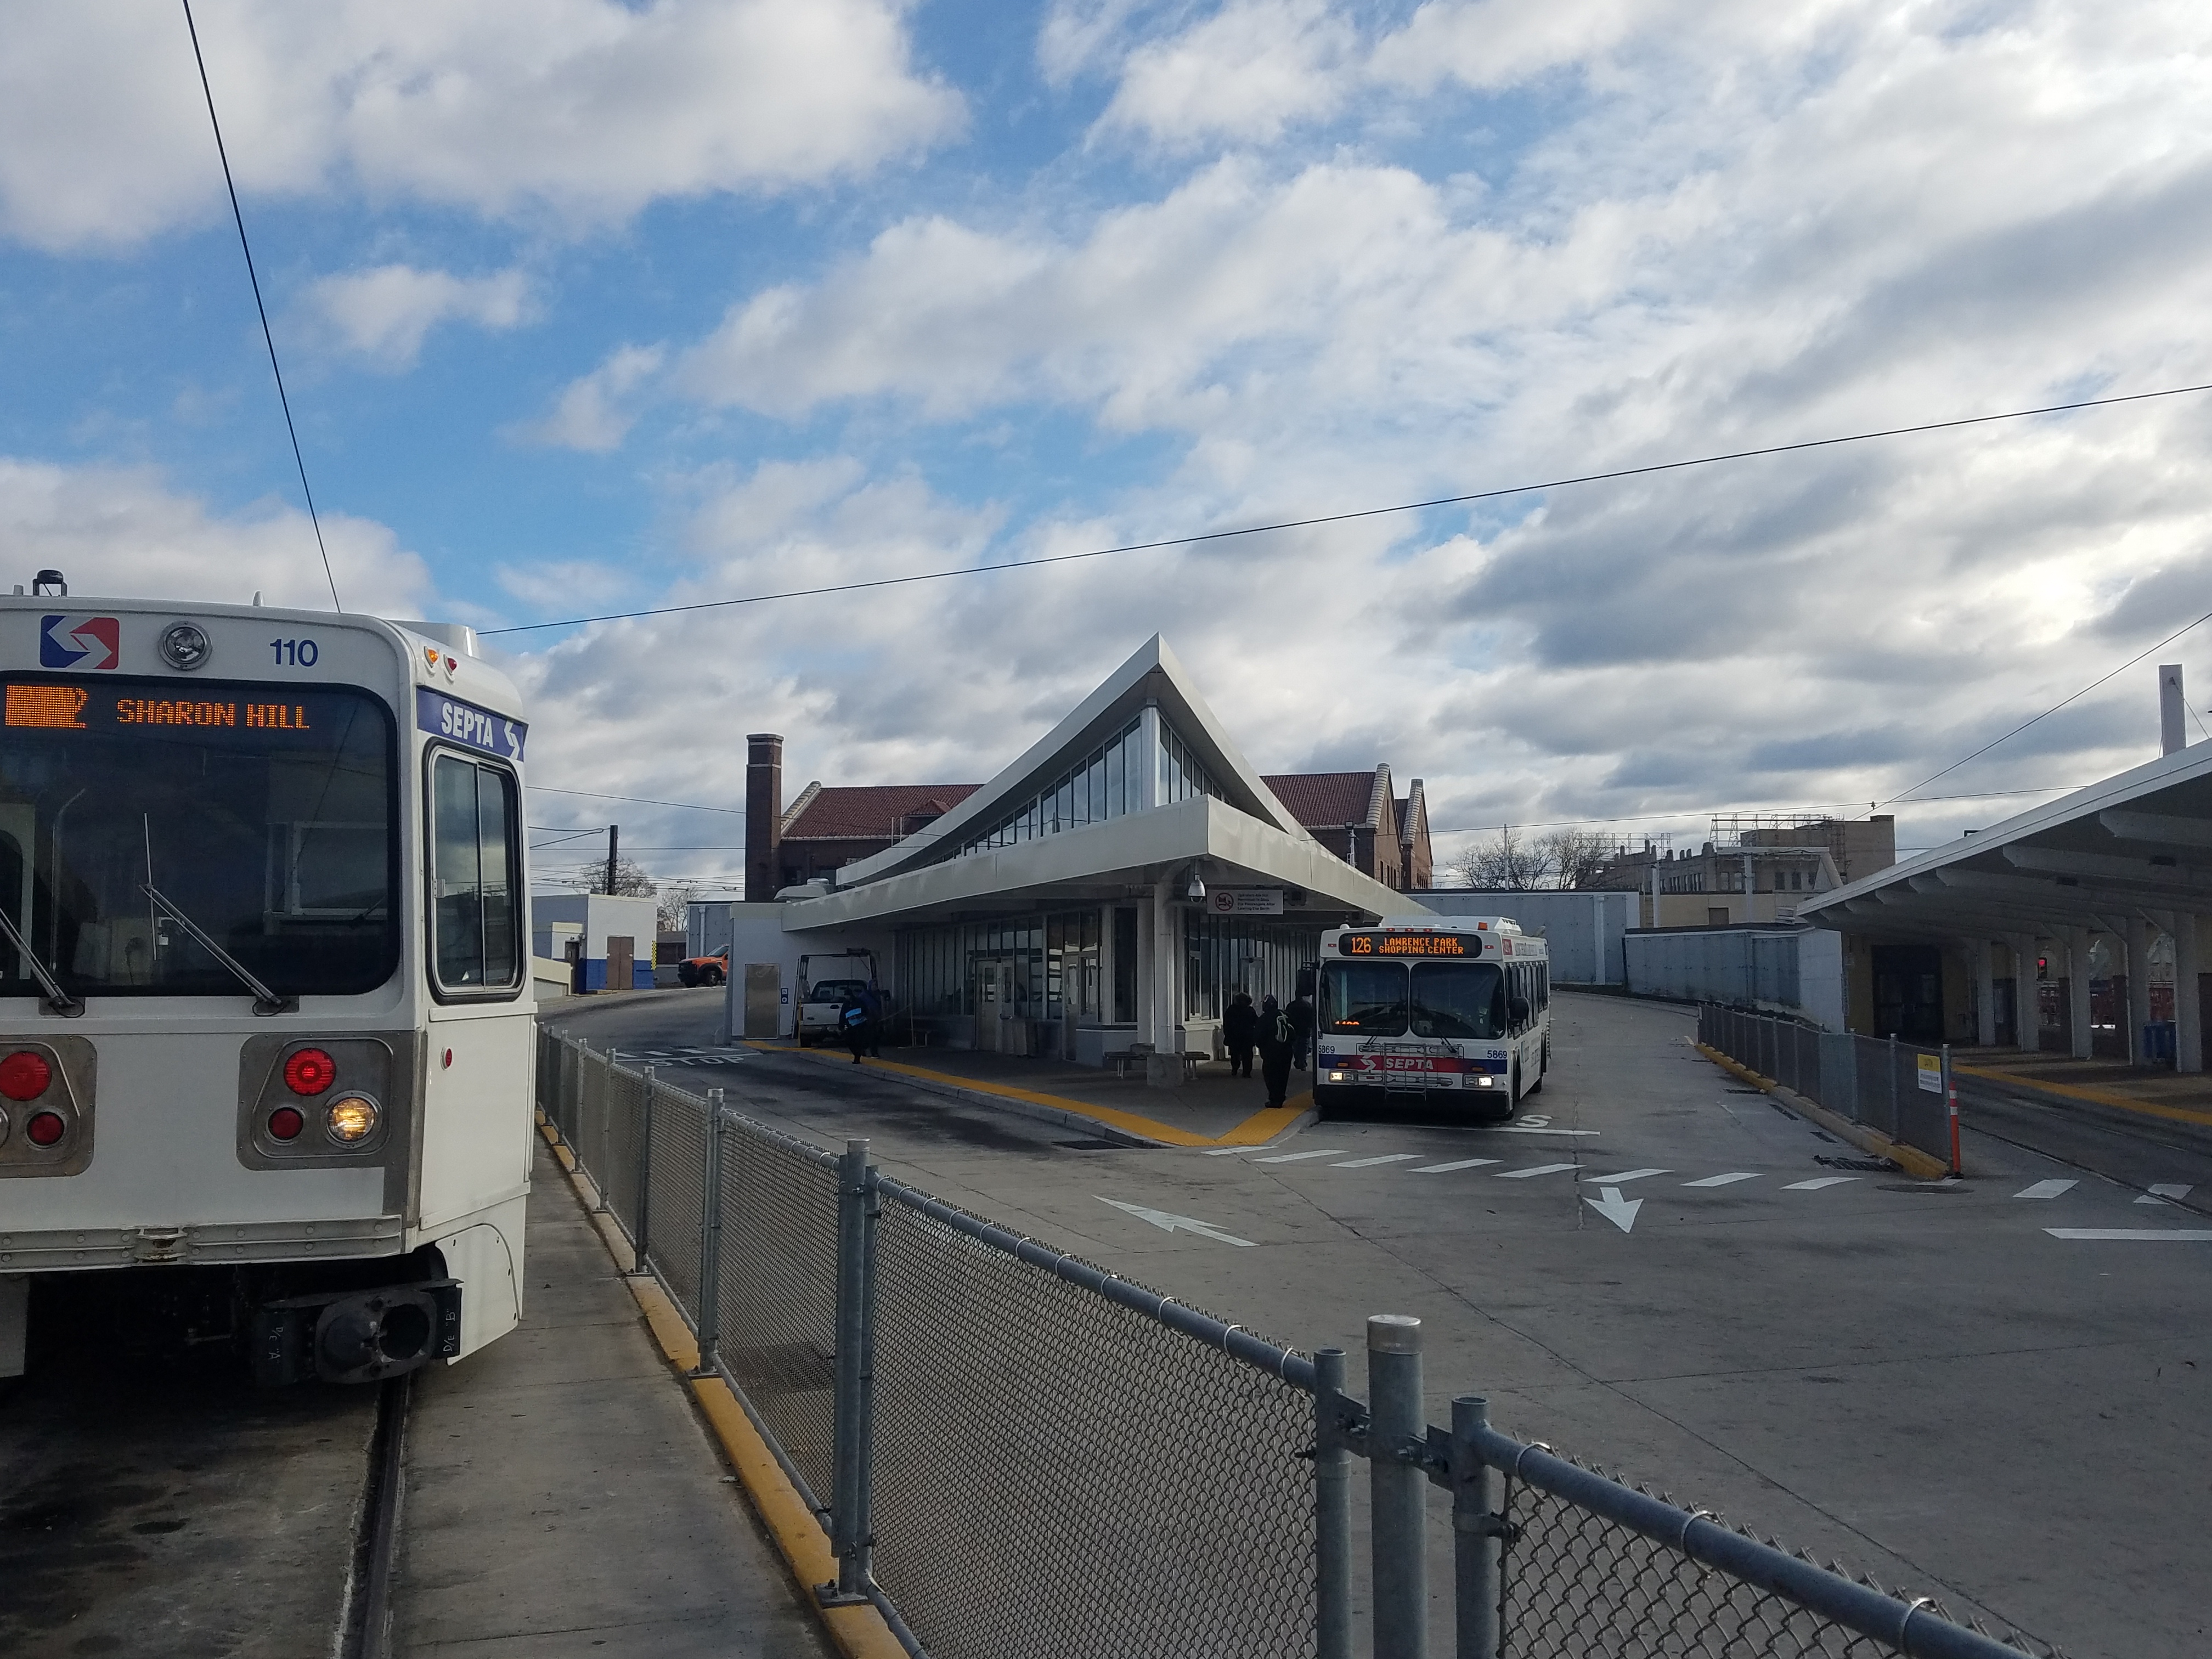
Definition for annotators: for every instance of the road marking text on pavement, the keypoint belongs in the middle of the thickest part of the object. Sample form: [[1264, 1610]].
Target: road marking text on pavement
[[1725, 1180], [1176, 1224], [1622, 1212], [1817, 1183], [1369, 1163], [1462, 1164], [2174, 1235], [2163, 1190], [1626, 1175], [2046, 1189]]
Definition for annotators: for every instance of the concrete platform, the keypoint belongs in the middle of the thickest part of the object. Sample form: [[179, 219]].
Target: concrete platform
[[2151, 1090], [563, 1497], [1213, 1107]]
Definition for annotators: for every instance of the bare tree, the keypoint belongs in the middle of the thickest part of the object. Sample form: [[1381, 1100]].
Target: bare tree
[[1504, 863], [676, 901], [631, 880], [1575, 856]]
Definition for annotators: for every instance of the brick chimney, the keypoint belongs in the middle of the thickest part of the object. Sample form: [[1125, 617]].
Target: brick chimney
[[763, 816]]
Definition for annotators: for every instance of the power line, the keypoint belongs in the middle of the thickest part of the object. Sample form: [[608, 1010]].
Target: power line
[[268, 338], [640, 800], [1360, 513], [2053, 709], [1707, 812]]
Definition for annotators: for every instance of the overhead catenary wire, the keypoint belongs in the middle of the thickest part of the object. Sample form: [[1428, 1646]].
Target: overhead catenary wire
[[1356, 513], [268, 338]]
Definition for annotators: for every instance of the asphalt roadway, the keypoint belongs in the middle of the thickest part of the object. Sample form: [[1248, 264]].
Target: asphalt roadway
[[1959, 1389]]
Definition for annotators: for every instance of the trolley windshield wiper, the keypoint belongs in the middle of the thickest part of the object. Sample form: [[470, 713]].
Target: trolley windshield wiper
[[265, 1001], [60, 1001]]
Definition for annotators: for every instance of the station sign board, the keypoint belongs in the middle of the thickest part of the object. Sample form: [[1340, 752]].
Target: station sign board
[[1245, 900]]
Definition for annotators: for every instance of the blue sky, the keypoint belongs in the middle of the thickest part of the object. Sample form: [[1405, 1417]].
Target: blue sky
[[588, 307]]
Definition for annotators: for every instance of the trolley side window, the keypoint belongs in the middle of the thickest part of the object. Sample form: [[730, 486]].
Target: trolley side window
[[1364, 997], [473, 876]]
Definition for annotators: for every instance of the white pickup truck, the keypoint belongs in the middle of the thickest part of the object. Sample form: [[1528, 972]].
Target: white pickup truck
[[842, 975]]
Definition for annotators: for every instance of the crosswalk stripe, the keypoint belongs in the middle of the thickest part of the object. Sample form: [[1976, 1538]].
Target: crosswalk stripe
[[2163, 1190], [2046, 1189], [1462, 1164], [1723, 1180], [1369, 1163], [1817, 1183], [1626, 1175], [1536, 1169], [1298, 1158]]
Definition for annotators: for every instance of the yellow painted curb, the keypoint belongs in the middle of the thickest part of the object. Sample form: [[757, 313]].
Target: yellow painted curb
[[859, 1632], [2082, 1091], [1262, 1125], [1911, 1159]]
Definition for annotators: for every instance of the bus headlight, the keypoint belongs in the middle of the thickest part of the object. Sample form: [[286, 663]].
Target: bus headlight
[[1482, 1083], [1336, 1077], [350, 1120]]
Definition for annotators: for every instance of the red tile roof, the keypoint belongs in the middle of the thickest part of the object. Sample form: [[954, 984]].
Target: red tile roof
[[873, 810], [1319, 800]]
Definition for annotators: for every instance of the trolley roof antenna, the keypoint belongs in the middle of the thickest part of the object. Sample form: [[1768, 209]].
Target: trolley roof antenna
[[268, 338]]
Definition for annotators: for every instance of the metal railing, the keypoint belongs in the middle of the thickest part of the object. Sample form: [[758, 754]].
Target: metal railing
[[1015, 1453], [1899, 1090]]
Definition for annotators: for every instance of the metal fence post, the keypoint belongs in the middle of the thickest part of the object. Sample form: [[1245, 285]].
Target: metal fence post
[[1896, 1120], [1477, 1531], [644, 1210], [1397, 1489], [1951, 1108], [1331, 1510], [849, 1516], [709, 1327]]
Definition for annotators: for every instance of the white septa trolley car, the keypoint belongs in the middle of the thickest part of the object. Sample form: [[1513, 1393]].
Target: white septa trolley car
[[1455, 1009], [265, 1013]]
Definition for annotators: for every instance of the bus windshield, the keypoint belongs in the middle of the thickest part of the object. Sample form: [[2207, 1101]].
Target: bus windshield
[[1459, 1000], [1364, 997], [271, 824]]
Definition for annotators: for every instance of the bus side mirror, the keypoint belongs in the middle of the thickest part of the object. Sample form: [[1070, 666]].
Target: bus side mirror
[[1519, 1009], [1306, 978]]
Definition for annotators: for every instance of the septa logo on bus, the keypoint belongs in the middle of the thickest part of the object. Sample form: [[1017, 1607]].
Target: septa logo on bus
[[66, 641]]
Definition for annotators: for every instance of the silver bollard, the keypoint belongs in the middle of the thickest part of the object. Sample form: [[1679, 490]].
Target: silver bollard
[[1475, 1536], [1331, 1511], [1397, 1489]]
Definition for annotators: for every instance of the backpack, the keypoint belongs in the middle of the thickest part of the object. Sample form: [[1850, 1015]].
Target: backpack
[[1277, 1031]]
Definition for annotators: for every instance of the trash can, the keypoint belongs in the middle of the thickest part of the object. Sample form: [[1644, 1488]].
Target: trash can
[[2158, 1042]]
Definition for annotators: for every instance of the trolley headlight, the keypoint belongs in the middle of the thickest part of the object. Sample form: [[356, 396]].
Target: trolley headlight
[[350, 1120]]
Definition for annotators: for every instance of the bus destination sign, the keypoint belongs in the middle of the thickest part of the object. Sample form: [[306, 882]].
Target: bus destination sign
[[1409, 944]]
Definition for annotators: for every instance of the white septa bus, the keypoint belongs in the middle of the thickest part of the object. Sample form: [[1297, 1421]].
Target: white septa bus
[[266, 1026], [1455, 1009]]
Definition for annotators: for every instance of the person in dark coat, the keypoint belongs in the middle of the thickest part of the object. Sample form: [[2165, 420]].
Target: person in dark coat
[[1300, 1015], [1239, 1026], [1276, 1048], [871, 1006]]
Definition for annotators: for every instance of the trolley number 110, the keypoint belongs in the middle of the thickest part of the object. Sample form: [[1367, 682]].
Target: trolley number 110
[[295, 653]]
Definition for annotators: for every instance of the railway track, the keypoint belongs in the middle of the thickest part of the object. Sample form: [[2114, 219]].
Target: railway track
[[153, 1501]]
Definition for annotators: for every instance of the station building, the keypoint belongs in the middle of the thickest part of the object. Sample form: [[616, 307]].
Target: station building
[[1112, 886]]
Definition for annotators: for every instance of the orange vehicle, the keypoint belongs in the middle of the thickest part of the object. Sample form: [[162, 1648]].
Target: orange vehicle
[[704, 970]]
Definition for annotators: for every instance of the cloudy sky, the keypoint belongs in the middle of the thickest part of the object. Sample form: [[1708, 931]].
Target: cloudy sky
[[588, 306]]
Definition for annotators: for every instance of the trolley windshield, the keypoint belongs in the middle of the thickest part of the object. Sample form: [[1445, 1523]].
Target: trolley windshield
[[271, 824], [1428, 998]]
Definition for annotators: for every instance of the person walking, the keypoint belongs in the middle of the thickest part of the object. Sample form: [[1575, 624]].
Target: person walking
[[852, 1021], [1238, 1027], [1275, 1048], [1300, 1013], [872, 1006]]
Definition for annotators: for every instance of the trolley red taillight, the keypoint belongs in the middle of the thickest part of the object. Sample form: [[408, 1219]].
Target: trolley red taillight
[[45, 1129], [285, 1123], [309, 1072], [25, 1075]]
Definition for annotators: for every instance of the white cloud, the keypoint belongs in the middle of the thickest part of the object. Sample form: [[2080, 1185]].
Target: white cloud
[[595, 411], [121, 531], [383, 313], [1243, 74], [587, 108]]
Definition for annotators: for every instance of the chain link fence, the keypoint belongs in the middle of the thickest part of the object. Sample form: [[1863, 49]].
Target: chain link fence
[[1901, 1090], [1015, 1453]]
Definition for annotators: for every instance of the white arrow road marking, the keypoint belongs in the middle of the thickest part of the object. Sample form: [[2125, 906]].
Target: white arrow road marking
[[1177, 1223], [1817, 1183], [1295, 1157], [1462, 1164], [2179, 1234], [1369, 1163], [1627, 1175], [2163, 1190], [1622, 1212], [2046, 1189], [1532, 1169], [1723, 1180]]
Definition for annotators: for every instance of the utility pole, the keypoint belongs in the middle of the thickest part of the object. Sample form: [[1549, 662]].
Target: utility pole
[[614, 840]]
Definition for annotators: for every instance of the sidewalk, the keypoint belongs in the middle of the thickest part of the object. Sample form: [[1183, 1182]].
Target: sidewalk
[[1212, 1109], [2149, 1091], [560, 1497]]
